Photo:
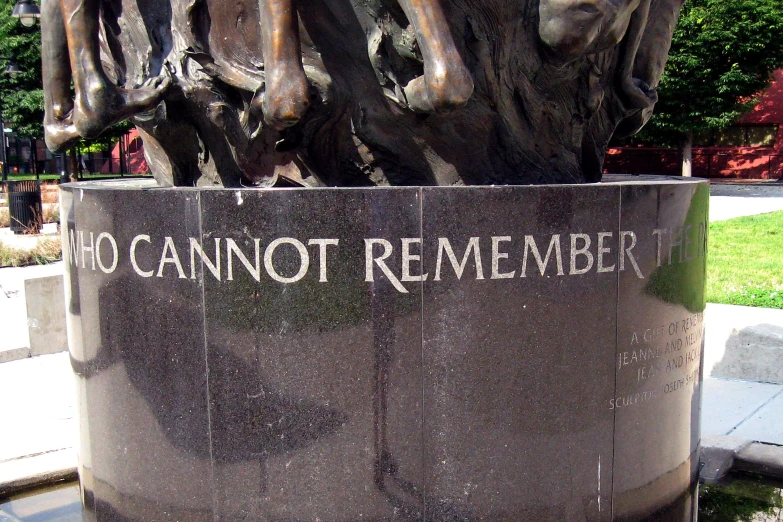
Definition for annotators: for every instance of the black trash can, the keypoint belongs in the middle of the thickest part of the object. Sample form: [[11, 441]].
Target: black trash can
[[24, 206]]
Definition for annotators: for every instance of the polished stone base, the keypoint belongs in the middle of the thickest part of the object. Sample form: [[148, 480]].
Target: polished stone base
[[388, 354]]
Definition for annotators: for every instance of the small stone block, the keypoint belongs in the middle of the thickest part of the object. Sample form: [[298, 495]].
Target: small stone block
[[754, 353], [46, 315]]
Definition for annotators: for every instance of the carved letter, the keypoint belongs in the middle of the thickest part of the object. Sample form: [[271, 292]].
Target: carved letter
[[322, 244], [233, 249], [170, 256], [497, 256], [445, 246], [601, 251], [407, 257], [115, 253], [554, 244], [626, 251], [381, 262], [304, 259], [134, 263], [195, 248], [584, 251]]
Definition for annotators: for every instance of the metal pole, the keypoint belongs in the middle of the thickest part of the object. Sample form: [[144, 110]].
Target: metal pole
[[34, 157], [18, 167], [2, 148], [122, 155], [62, 159]]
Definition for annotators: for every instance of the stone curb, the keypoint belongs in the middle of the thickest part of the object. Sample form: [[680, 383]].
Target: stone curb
[[720, 455], [14, 354], [764, 459], [37, 470]]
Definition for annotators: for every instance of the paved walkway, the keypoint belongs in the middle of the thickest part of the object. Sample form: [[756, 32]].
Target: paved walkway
[[39, 430], [38, 404], [730, 200], [743, 370]]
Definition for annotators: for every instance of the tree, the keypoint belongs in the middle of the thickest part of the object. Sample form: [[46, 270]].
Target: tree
[[21, 95], [723, 55]]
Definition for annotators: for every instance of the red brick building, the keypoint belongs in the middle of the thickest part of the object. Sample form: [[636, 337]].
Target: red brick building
[[750, 149]]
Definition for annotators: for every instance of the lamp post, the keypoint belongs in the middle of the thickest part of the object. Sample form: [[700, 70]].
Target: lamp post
[[27, 12], [2, 148]]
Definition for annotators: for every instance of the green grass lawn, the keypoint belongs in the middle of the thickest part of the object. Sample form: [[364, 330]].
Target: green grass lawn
[[745, 261], [48, 250], [51, 177], [22, 177]]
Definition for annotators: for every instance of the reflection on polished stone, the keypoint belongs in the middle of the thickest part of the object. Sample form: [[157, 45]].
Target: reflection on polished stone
[[738, 498], [401, 354]]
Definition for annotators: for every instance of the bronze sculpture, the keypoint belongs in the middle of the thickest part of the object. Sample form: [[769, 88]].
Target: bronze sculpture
[[437, 366], [72, 37], [445, 84], [342, 92]]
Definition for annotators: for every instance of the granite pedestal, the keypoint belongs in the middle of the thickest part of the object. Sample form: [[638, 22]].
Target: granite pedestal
[[388, 354]]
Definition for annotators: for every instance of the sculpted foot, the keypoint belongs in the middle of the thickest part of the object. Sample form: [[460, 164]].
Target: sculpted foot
[[285, 98], [442, 88], [99, 105], [62, 111], [59, 135], [638, 94]]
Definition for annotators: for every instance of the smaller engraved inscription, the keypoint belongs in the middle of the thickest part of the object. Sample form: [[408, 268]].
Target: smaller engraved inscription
[[660, 360]]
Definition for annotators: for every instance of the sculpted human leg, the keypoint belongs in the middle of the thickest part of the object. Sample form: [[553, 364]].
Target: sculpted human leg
[[446, 83], [59, 130], [285, 98], [643, 68], [98, 103]]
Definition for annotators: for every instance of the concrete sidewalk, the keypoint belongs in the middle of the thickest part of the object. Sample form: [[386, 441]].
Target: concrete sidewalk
[[731, 200], [39, 435]]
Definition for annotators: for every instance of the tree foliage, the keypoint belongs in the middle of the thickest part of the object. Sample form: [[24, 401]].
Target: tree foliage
[[21, 96], [723, 55]]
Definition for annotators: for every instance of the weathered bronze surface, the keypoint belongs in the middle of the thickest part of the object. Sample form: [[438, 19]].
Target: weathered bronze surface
[[357, 92]]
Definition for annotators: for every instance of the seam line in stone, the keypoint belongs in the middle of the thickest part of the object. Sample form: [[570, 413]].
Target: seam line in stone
[[616, 347], [754, 412], [206, 364]]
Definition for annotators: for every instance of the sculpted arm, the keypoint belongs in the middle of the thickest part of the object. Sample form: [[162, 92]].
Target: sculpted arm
[[285, 98], [71, 50], [446, 83], [59, 131], [644, 62]]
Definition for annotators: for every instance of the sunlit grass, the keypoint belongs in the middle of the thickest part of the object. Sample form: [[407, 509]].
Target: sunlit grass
[[745, 261], [47, 250]]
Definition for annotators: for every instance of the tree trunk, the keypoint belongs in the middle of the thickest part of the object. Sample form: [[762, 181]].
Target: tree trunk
[[687, 155], [123, 163]]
